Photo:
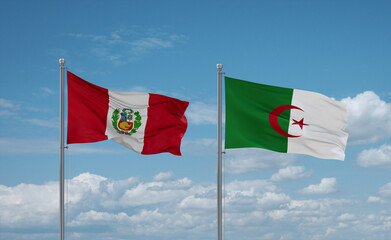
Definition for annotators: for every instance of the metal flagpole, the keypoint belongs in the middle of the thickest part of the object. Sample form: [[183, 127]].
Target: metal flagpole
[[62, 222], [219, 153]]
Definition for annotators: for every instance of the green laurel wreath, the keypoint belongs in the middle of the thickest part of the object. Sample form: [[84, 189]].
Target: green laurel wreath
[[136, 123]]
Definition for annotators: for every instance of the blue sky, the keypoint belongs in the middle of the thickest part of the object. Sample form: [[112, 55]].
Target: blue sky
[[338, 48]]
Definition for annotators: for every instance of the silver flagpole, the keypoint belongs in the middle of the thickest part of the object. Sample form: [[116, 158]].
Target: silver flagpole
[[62, 222], [219, 153]]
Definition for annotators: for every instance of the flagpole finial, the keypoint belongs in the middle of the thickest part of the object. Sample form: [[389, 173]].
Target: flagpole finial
[[219, 66], [61, 61]]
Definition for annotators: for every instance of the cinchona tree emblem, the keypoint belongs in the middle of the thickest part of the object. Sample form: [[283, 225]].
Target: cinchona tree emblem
[[125, 121]]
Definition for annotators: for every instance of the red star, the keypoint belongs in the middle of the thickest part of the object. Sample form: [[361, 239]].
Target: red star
[[300, 123]]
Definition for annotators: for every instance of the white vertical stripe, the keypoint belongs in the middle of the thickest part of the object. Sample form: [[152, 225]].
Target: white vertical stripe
[[138, 102], [325, 135]]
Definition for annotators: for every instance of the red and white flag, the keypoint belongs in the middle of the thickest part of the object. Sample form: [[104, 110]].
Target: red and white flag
[[144, 122]]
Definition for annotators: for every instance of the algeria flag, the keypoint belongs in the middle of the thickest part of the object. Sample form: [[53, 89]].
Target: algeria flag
[[144, 122], [284, 120]]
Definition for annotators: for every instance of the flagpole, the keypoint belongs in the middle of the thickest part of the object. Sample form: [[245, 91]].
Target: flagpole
[[219, 153], [62, 222]]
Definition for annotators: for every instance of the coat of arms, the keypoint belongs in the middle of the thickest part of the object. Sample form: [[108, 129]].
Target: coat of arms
[[125, 121]]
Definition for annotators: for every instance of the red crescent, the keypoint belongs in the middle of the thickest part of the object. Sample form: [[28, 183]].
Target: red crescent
[[273, 119]]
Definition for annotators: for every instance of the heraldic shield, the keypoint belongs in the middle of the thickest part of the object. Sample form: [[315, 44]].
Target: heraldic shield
[[125, 121]]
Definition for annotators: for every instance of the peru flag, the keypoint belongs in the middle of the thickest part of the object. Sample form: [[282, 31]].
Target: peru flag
[[144, 122]]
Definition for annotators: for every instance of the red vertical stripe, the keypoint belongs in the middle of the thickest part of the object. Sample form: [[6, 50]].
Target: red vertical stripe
[[166, 125], [88, 105]]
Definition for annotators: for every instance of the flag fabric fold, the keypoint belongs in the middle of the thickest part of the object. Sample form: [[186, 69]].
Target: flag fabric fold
[[144, 122], [284, 120]]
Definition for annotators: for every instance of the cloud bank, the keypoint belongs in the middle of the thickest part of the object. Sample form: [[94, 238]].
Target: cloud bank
[[326, 186], [171, 208]]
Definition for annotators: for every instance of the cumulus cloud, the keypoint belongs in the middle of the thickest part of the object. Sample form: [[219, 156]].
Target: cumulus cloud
[[241, 161], [198, 202], [250, 187], [170, 208], [246, 196], [156, 192], [346, 217], [126, 206], [98, 218], [313, 207], [28, 205], [164, 176], [326, 186], [375, 157], [369, 118], [384, 192], [271, 200], [290, 173]]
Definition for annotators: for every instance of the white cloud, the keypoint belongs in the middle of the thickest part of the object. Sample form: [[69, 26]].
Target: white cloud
[[250, 187], [374, 199], [11, 109], [315, 209], [169, 208], [202, 113], [385, 190], [150, 43], [98, 218], [125, 45], [241, 161], [195, 202], [138, 89], [375, 157], [125, 206], [369, 118], [290, 173], [346, 217], [85, 183], [199, 146], [44, 92], [7, 113], [270, 200], [48, 91], [326, 186], [4, 103], [156, 192], [28, 205], [8, 108], [164, 176], [243, 197]]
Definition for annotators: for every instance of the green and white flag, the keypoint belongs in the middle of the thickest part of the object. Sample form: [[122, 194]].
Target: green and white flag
[[284, 120]]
